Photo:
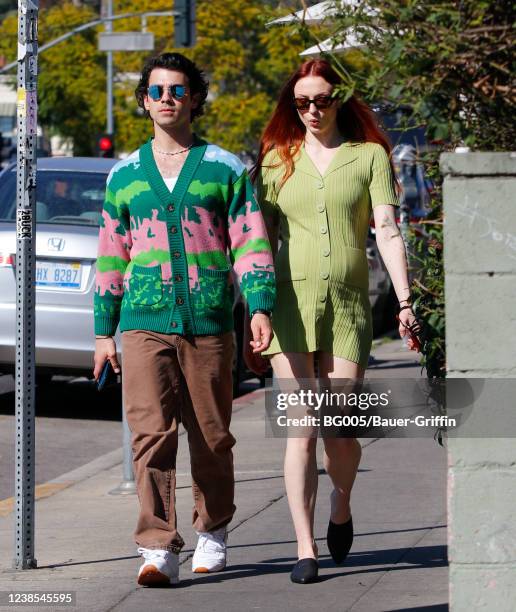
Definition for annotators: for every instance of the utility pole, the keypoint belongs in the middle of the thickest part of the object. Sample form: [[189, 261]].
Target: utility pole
[[108, 14], [27, 120]]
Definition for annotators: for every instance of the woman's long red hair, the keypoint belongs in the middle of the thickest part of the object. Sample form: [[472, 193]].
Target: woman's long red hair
[[285, 132]]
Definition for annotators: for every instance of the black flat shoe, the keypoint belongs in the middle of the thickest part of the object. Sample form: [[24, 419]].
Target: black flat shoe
[[305, 571], [340, 539]]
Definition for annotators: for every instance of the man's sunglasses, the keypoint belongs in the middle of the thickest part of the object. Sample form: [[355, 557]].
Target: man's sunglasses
[[178, 92], [321, 102]]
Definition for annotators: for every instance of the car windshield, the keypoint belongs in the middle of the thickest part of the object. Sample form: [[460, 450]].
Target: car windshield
[[69, 198]]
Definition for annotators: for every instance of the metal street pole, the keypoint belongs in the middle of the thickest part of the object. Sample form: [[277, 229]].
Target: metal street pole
[[109, 72], [128, 484], [27, 112]]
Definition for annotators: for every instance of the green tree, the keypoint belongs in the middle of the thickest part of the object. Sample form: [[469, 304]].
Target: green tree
[[451, 62]]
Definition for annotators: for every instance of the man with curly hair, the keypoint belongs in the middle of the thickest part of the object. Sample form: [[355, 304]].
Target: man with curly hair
[[179, 213]]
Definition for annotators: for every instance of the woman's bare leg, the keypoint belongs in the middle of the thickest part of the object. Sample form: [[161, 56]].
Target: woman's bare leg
[[300, 459], [341, 455]]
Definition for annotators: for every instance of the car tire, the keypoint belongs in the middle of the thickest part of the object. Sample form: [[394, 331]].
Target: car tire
[[43, 380]]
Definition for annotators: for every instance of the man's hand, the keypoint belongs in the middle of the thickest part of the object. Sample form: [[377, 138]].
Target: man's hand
[[261, 330], [105, 348]]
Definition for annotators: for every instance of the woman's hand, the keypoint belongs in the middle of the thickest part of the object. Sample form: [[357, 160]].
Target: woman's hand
[[260, 330], [409, 326], [105, 348]]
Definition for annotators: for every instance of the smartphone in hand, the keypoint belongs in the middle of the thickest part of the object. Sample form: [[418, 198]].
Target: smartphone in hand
[[107, 377]]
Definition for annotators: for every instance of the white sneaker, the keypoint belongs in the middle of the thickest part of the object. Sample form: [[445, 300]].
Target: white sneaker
[[210, 554], [160, 567]]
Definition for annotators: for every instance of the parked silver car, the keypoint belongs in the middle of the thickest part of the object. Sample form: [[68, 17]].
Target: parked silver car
[[70, 195]]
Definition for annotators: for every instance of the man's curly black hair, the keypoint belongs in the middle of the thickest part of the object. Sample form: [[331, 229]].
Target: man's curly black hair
[[174, 61]]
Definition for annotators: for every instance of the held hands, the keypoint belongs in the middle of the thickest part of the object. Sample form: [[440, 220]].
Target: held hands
[[105, 348], [261, 331]]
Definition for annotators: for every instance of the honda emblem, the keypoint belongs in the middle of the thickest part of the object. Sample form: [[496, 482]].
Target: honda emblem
[[56, 244]]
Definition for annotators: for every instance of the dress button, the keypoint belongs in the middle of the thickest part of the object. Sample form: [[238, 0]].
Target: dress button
[[174, 324], [320, 207], [326, 252], [178, 278], [173, 229], [325, 275], [177, 254], [320, 185], [179, 301], [324, 230], [171, 208], [322, 298]]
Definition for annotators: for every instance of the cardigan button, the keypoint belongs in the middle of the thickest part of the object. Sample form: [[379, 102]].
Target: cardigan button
[[173, 229], [171, 208], [177, 254], [180, 301], [174, 324], [178, 278]]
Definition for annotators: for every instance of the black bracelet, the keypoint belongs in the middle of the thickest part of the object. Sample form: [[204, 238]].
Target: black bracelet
[[261, 311], [406, 307]]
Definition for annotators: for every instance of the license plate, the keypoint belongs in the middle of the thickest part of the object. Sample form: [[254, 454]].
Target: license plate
[[58, 274]]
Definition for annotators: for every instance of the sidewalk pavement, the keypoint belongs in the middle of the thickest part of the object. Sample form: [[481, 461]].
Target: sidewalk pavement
[[398, 560]]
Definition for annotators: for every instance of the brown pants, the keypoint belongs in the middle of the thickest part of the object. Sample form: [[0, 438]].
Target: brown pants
[[166, 379]]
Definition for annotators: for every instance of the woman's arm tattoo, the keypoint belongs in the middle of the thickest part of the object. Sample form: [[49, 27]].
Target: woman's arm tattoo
[[391, 229]]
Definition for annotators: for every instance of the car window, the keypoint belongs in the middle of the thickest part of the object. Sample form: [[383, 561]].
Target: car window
[[70, 198]]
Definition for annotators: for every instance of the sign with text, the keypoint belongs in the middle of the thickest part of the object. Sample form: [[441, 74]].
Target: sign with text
[[126, 41]]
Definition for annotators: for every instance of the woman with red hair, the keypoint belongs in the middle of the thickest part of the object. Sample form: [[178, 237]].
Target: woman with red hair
[[323, 165]]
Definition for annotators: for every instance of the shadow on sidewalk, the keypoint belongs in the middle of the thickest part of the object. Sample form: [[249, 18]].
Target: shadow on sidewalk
[[425, 557], [78, 399], [417, 557], [395, 364], [54, 565], [437, 608]]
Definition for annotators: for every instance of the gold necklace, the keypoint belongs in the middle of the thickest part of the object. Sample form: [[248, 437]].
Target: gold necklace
[[156, 150]]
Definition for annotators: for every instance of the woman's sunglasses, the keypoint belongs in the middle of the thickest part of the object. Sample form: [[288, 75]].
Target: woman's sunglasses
[[321, 102], [178, 92]]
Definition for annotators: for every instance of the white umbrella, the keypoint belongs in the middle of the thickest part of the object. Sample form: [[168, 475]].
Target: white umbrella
[[315, 13]]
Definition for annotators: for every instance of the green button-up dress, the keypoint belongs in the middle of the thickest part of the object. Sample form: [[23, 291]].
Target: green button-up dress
[[321, 266]]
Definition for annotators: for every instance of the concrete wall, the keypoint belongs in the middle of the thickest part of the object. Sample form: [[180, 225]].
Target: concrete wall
[[480, 285]]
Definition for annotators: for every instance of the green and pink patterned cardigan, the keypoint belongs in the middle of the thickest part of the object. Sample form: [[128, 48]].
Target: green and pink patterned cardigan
[[164, 258]]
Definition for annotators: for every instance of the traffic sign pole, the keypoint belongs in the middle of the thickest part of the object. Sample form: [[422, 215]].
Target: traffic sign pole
[[109, 72], [25, 294]]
